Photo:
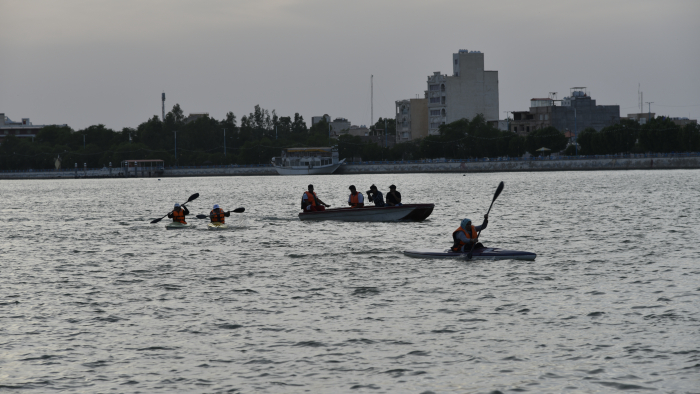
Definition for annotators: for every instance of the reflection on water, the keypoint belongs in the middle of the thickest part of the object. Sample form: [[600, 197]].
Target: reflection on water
[[96, 299]]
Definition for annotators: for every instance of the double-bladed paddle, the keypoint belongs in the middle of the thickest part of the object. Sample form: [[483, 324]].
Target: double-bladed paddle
[[237, 210], [192, 198], [495, 196]]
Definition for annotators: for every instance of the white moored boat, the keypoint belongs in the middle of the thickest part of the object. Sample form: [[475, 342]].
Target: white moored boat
[[307, 161], [408, 212]]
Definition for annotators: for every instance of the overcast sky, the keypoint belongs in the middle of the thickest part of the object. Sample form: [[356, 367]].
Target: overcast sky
[[86, 62]]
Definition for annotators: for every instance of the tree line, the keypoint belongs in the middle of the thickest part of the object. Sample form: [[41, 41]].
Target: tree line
[[261, 135], [660, 135]]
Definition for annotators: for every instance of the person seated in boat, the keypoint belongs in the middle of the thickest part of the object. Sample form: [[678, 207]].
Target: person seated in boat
[[356, 199], [465, 236], [217, 215], [375, 196], [310, 201], [393, 198], [178, 214]]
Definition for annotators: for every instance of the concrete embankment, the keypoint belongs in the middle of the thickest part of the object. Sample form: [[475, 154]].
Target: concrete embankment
[[104, 173], [528, 165], [646, 163]]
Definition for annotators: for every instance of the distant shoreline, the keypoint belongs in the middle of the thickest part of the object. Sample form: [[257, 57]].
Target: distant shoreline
[[609, 163]]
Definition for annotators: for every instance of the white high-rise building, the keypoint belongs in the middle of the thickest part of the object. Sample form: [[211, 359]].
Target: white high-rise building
[[469, 91]]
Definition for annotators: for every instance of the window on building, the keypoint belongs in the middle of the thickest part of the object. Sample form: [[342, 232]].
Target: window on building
[[443, 99], [435, 87], [456, 61], [435, 99], [434, 125], [540, 116], [442, 87], [515, 128], [443, 112], [434, 112], [527, 129], [546, 116]]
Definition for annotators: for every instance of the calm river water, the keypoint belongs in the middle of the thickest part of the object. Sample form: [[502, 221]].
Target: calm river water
[[93, 298]]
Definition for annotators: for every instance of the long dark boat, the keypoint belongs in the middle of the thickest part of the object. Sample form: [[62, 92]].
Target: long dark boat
[[481, 253], [407, 212]]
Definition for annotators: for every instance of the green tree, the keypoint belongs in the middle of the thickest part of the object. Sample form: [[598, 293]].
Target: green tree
[[548, 137]]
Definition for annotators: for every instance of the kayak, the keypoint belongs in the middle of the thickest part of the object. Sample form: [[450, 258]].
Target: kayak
[[177, 226], [478, 254], [407, 212], [217, 226]]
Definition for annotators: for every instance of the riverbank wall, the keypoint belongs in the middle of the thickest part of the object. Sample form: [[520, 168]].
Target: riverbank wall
[[528, 165], [493, 165]]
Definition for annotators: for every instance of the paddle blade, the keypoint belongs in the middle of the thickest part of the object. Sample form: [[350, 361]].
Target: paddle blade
[[498, 191], [154, 221], [239, 210], [200, 216], [196, 196]]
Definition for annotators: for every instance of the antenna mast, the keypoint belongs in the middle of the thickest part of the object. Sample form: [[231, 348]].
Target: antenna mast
[[163, 99], [371, 100]]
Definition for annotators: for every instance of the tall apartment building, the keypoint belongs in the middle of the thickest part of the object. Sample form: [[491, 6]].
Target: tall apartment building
[[468, 92], [411, 119]]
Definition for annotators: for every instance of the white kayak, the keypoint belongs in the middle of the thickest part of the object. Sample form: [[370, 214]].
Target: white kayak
[[177, 226], [478, 254], [217, 226]]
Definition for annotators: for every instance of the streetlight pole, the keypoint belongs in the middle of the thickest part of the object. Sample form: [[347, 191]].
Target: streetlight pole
[[575, 131], [175, 131]]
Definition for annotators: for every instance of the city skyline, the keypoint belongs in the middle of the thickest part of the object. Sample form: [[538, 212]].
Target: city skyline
[[84, 63]]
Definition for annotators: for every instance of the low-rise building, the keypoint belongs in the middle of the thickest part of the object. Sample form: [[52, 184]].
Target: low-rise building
[[411, 119], [23, 129], [684, 121], [339, 125], [316, 119], [576, 113], [641, 117], [358, 131], [196, 115]]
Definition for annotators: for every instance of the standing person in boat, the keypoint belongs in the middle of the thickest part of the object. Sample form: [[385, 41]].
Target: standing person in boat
[[217, 215], [393, 198], [375, 196], [178, 214], [310, 201], [466, 235], [356, 199]]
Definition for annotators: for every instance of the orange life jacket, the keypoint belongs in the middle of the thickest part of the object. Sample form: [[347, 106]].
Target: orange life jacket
[[458, 245], [311, 197], [179, 216], [355, 200], [217, 215]]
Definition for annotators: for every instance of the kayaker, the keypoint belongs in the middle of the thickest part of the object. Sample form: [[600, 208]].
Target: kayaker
[[466, 235], [393, 198], [178, 214], [375, 196], [217, 215], [310, 201], [356, 199]]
